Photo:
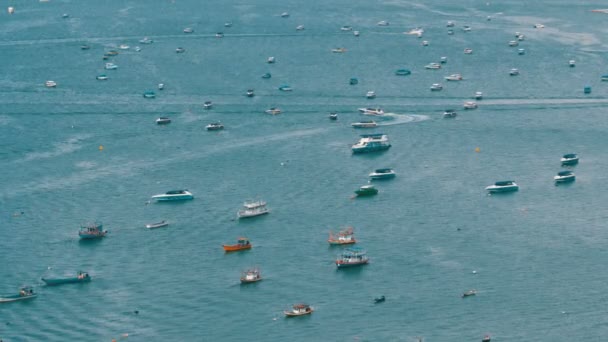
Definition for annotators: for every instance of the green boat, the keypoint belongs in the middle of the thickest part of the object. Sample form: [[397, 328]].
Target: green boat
[[25, 292], [81, 277], [366, 190]]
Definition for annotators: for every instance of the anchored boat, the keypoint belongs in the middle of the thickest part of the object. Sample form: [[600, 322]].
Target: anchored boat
[[174, 195], [251, 276], [92, 230], [372, 143], [366, 190], [382, 174], [569, 159], [81, 277], [299, 310], [160, 224], [351, 257], [503, 186], [25, 292], [344, 237], [252, 209], [242, 243]]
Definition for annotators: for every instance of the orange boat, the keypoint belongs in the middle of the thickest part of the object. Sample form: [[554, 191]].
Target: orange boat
[[241, 244], [344, 237]]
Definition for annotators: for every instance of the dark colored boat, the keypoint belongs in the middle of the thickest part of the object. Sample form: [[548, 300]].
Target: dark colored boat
[[379, 299], [81, 277]]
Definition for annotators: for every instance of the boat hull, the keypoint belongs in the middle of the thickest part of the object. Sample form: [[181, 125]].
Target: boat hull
[[293, 314], [16, 298], [235, 248], [367, 149], [503, 189], [570, 162], [249, 281], [157, 225], [382, 176], [173, 198], [89, 236], [242, 215], [340, 264], [565, 179], [343, 242], [60, 281]]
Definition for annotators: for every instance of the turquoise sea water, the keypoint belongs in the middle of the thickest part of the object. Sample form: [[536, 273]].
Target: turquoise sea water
[[538, 254]]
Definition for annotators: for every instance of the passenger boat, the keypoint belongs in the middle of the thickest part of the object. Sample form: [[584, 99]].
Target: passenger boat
[[351, 257], [569, 159], [372, 143], [101, 77], [433, 66], [449, 113], [299, 310], [160, 224], [469, 293], [207, 105], [354, 81], [270, 60], [214, 126], [252, 209], [338, 50], [188, 30], [402, 72], [149, 94], [180, 50], [470, 105], [379, 299], [251, 276], [383, 174], [503, 186], [371, 111], [513, 43], [92, 230], [333, 116], [370, 94], [273, 111], [174, 195], [163, 120], [366, 190], [364, 124], [478, 95], [346, 28], [436, 87], [50, 84], [81, 277], [344, 237], [250, 93], [146, 40], [572, 63], [300, 28], [285, 87], [564, 177], [267, 75], [514, 72], [111, 66], [241, 244], [454, 77], [468, 51], [25, 292]]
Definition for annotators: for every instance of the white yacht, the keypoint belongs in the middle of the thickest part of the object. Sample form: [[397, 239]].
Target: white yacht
[[468, 51], [372, 143], [513, 43], [564, 177], [174, 195], [514, 72], [124, 47], [252, 209], [478, 95], [300, 28], [449, 113], [346, 28], [503, 186], [383, 23], [371, 111], [188, 30], [356, 33], [425, 43], [270, 60]]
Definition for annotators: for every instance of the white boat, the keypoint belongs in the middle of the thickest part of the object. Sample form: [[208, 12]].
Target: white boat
[[470, 105], [521, 51], [371, 143], [514, 72], [207, 105], [564, 177], [572, 63], [364, 124], [383, 23], [270, 60], [478, 95], [449, 113], [466, 28], [415, 32], [371, 111], [569, 159], [382, 174], [502, 186], [346, 28], [300, 28], [513, 43], [219, 35], [273, 111], [163, 120], [252, 209], [356, 33], [101, 77], [520, 37], [124, 47], [11, 10], [174, 195], [433, 66], [468, 51], [50, 84], [370, 94], [161, 86], [215, 126], [436, 87], [338, 50], [227, 24], [425, 43], [188, 30], [450, 24], [454, 77], [111, 66], [443, 60], [146, 40], [539, 26], [137, 49], [284, 15], [157, 224], [180, 50]]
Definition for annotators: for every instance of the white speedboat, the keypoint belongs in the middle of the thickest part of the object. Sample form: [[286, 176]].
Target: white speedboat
[[207, 105], [346, 28], [188, 30], [436, 87], [468, 51], [300, 28], [364, 124], [50, 84], [270, 60], [382, 174], [219, 35], [174, 195], [370, 94], [101, 77], [569, 159], [572, 63], [124, 47], [111, 66], [513, 43], [466, 28], [250, 93], [443, 60], [454, 77], [146, 40], [273, 111], [415, 32], [371, 143], [215, 126], [371, 111], [564, 177], [161, 86], [284, 15], [502, 186], [180, 50], [338, 50], [228, 24], [356, 33], [539, 26], [450, 24], [478, 95], [514, 72], [521, 51], [252, 209], [449, 113], [470, 105], [425, 43], [433, 66]]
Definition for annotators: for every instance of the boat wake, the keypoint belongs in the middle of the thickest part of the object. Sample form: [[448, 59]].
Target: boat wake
[[397, 119]]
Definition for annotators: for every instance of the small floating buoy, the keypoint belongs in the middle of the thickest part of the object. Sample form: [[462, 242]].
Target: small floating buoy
[[101, 147], [477, 149]]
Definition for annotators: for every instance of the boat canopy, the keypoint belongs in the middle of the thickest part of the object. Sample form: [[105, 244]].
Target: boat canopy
[[176, 192], [502, 183], [564, 173], [570, 155], [301, 306], [383, 170], [374, 135]]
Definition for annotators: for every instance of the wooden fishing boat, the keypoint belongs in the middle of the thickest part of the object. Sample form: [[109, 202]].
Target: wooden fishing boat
[[251, 276], [242, 244], [81, 277], [25, 292], [299, 310], [344, 237]]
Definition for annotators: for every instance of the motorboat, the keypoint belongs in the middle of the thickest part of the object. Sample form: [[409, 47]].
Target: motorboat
[[149, 94], [215, 126], [10, 10], [587, 90], [478, 95], [514, 72], [344, 237], [436, 87], [50, 84], [450, 24], [155, 225], [468, 51], [242, 243], [124, 47], [137, 49], [520, 37], [371, 111], [450, 32], [300, 28], [564, 177], [163, 120], [443, 60], [470, 105], [486, 338], [111, 53], [425, 43], [284, 15], [352, 257], [569, 159], [466, 28], [354, 81], [513, 43], [382, 174], [180, 50], [267, 75], [273, 111], [227, 24], [299, 310], [333, 116], [174, 195], [502, 186], [449, 113], [338, 50], [366, 190], [454, 77], [380, 299], [285, 87], [371, 143], [433, 66], [356, 33], [207, 105], [188, 30], [346, 28], [370, 94], [253, 209], [469, 293], [572, 63], [92, 230], [101, 77], [415, 32], [85, 47], [250, 93], [161, 86], [146, 40], [81, 277], [25, 292], [251, 276], [402, 72], [383, 23], [111, 66], [219, 35], [364, 124], [521, 51], [539, 26], [270, 60]]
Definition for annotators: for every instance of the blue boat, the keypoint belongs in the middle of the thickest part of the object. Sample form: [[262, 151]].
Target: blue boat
[[587, 90], [604, 77], [25, 292], [351, 257], [403, 72], [92, 230], [81, 277], [372, 143]]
